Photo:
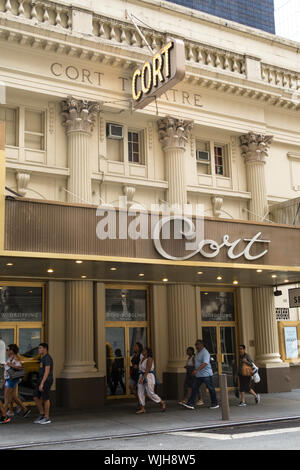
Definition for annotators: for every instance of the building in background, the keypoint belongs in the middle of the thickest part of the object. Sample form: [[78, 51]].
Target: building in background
[[287, 19], [255, 13]]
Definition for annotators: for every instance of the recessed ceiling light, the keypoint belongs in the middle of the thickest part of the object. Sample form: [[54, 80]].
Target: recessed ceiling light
[[259, 270], [9, 264], [199, 272], [78, 261], [50, 270], [83, 277], [165, 279], [219, 278], [235, 282], [113, 269], [141, 275], [274, 275], [205, 293], [286, 280]]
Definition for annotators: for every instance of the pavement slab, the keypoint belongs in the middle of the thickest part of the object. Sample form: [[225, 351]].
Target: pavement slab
[[119, 419]]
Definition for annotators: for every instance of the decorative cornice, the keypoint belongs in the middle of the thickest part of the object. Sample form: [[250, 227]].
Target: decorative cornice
[[255, 147], [79, 115], [47, 26], [173, 132]]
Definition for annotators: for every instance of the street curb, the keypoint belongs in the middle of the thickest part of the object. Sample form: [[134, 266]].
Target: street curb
[[149, 433]]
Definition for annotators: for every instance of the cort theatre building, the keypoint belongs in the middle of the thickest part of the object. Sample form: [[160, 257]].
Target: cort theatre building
[[75, 134]]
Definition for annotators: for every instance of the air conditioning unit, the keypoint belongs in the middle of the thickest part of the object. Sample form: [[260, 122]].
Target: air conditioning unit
[[202, 156], [114, 131]]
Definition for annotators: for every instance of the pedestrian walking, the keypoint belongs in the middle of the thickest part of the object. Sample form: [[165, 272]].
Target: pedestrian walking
[[134, 368], [10, 387], [245, 372], [42, 391], [4, 419], [117, 372], [188, 382], [202, 374], [147, 381]]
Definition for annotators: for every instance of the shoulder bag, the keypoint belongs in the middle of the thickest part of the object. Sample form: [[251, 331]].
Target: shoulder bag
[[16, 374]]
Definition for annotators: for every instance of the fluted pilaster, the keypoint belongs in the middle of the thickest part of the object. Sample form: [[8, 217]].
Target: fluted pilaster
[[79, 330], [78, 119], [173, 135], [182, 324], [265, 327]]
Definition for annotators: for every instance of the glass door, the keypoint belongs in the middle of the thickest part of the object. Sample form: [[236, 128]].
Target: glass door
[[210, 338], [219, 332], [115, 361], [28, 340], [228, 353], [126, 324]]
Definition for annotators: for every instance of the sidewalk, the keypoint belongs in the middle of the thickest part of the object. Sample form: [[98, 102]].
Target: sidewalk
[[118, 419]]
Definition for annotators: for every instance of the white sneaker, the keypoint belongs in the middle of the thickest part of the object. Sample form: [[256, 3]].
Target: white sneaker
[[242, 403], [189, 407], [257, 399], [214, 407], [37, 421], [45, 421]]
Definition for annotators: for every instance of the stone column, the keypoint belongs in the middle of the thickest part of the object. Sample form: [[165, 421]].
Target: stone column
[[273, 372], [275, 376], [79, 359], [80, 382], [78, 118], [173, 135], [255, 150], [265, 326]]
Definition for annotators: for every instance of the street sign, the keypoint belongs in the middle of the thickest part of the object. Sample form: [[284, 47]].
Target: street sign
[[294, 298]]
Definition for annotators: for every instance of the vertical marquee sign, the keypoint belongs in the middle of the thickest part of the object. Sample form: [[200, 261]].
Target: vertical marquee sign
[[162, 72]]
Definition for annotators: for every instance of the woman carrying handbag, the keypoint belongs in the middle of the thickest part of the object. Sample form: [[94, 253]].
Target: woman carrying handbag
[[245, 372], [13, 372]]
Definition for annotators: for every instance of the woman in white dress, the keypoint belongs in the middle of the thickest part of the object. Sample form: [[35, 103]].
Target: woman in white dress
[[147, 381]]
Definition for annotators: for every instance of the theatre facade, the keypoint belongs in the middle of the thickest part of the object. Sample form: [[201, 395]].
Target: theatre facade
[[89, 179]]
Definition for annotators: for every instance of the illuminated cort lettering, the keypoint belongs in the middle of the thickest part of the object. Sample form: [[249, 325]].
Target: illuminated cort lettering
[[166, 68]]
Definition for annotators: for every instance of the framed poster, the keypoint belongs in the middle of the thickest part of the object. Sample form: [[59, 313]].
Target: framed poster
[[289, 334]]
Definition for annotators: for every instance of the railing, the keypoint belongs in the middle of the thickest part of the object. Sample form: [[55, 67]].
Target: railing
[[124, 33], [42, 12], [287, 212], [280, 77]]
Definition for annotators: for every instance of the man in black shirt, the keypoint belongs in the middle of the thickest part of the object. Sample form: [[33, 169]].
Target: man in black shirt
[[42, 391]]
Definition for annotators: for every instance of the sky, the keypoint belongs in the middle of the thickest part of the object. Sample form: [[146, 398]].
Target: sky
[[287, 19]]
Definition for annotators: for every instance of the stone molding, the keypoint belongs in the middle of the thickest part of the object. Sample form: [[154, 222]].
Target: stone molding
[[173, 132], [79, 115], [255, 146]]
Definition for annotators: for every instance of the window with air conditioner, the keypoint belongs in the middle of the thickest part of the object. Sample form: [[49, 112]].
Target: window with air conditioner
[[114, 131], [203, 157]]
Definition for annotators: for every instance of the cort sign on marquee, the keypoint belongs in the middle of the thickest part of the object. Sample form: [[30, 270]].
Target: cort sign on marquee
[[162, 72]]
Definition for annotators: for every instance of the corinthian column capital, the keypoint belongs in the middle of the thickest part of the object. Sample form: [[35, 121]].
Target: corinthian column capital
[[255, 146], [79, 115], [173, 132]]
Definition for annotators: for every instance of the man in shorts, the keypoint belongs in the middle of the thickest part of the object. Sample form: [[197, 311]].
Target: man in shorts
[[42, 392]]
